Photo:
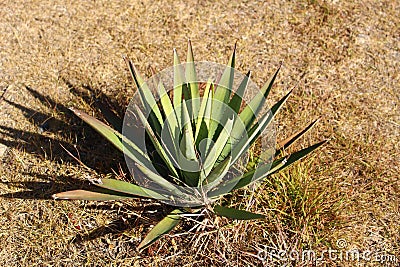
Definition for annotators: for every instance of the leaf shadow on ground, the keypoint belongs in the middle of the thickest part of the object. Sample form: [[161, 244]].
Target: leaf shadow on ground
[[134, 217], [64, 138], [142, 213], [64, 131], [45, 188]]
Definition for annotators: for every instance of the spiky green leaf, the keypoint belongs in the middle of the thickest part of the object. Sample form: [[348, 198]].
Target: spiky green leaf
[[191, 79], [276, 166], [237, 98], [250, 112], [167, 106], [159, 148], [179, 80], [217, 174], [222, 96], [189, 160], [187, 143], [129, 188], [290, 140], [298, 155], [161, 181], [244, 143], [204, 117], [216, 149], [90, 195], [163, 227], [147, 99], [126, 146], [237, 214]]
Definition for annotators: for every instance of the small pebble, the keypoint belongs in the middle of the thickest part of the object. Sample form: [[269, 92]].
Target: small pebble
[[3, 150]]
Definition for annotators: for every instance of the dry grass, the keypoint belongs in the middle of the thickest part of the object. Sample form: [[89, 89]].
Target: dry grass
[[55, 54]]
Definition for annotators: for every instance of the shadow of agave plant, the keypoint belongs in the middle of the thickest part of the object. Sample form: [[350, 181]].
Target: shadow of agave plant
[[51, 141], [195, 136]]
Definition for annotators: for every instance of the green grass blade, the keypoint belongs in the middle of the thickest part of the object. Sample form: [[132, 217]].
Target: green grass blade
[[237, 214], [237, 98], [163, 227], [90, 195]]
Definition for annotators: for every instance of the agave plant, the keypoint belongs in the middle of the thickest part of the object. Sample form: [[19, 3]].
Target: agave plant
[[199, 141]]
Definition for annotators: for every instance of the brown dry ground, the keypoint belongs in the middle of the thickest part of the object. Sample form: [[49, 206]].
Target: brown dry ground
[[56, 54]]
